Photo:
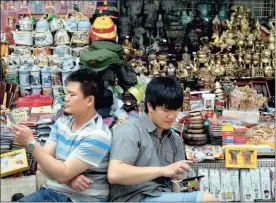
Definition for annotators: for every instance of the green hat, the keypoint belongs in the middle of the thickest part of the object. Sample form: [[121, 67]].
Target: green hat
[[100, 59], [117, 48]]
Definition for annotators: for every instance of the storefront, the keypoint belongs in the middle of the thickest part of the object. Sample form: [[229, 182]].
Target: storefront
[[221, 52]]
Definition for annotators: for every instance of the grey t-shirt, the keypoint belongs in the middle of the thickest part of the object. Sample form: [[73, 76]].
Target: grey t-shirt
[[135, 142]]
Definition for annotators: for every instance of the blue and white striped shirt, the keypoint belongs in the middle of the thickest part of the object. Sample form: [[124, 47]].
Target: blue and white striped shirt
[[91, 144]]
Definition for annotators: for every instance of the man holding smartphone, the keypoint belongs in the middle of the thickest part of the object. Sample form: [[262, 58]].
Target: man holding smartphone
[[77, 150], [147, 159]]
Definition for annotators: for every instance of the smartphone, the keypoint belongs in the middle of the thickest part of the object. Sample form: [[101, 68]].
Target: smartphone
[[11, 118], [193, 178]]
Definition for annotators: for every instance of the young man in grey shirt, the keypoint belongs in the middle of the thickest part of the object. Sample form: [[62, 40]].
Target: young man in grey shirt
[[146, 155]]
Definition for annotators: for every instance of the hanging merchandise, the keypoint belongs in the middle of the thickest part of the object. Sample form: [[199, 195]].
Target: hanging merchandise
[[106, 8], [103, 28]]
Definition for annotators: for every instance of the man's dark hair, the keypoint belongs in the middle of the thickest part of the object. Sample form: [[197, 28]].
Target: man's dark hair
[[164, 91], [90, 83]]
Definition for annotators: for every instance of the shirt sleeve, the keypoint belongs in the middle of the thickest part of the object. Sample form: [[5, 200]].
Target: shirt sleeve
[[180, 154], [93, 147], [125, 144]]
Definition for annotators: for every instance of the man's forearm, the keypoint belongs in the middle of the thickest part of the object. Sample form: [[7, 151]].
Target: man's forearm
[[126, 174], [42, 171], [50, 166]]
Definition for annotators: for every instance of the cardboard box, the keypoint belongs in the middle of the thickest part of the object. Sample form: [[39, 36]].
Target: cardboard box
[[14, 162], [240, 156]]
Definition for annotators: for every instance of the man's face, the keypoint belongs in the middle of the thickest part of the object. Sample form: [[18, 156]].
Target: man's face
[[75, 102], [162, 117]]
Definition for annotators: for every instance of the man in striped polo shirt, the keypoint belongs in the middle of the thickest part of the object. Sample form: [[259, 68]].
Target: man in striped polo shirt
[[75, 157]]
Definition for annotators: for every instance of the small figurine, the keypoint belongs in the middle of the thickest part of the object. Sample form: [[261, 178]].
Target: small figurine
[[171, 70], [216, 25], [76, 6], [186, 100], [10, 6], [156, 69], [50, 7], [11, 24], [154, 47], [159, 26], [181, 71], [204, 11], [185, 19], [124, 24], [37, 7], [90, 7], [140, 68], [2, 5], [62, 7], [186, 57], [222, 14], [162, 60], [25, 7]]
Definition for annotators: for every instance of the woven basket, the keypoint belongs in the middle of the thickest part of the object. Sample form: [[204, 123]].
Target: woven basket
[[9, 186]]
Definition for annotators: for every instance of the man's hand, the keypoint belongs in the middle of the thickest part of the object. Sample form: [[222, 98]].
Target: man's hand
[[80, 183], [195, 188], [23, 135], [176, 170]]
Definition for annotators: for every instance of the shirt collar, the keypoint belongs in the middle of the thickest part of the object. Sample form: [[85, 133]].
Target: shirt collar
[[150, 125]]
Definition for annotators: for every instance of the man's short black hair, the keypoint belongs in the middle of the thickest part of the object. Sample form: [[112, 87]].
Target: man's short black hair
[[164, 91], [90, 83]]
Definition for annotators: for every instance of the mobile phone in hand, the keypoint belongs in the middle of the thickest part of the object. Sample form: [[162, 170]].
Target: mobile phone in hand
[[11, 118], [193, 178]]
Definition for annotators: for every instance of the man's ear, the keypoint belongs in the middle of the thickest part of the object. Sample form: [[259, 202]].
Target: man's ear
[[91, 101], [149, 107]]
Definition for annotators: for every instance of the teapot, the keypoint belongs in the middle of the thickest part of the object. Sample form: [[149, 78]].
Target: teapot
[[27, 60], [61, 37], [13, 60], [42, 25], [62, 50], [70, 24], [54, 60], [84, 23], [43, 38], [3, 37], [56, 24], [23, 38], [22, 50], [67, 62], [26, 24], [41, 60]]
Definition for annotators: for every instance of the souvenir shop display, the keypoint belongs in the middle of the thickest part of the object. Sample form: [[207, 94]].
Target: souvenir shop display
[[221, 52]]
